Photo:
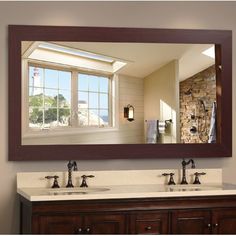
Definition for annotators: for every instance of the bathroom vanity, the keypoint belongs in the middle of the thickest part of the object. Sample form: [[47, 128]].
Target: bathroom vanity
[[116, 204], [175, 215]]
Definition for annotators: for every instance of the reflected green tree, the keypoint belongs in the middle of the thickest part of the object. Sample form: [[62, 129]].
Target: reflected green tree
[[50, 108]]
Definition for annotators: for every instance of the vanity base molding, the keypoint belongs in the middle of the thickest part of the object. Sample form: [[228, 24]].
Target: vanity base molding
[[177, 215]]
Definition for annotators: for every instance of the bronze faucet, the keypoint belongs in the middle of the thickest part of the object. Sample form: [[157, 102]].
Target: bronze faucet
[[55, 182], [171, 180], [184, 164], [84, 178], [71, 165]]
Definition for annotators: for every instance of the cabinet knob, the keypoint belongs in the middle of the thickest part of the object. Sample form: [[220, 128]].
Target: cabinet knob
[[215, 225], [208, 225], [148, 227], [79, 231], [88, 230]]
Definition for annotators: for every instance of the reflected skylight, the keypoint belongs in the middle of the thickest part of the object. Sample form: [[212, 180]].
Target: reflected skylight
[[75, 52], [210, 52], [62, 55]]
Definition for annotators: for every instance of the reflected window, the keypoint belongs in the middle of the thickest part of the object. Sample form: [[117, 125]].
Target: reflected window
[[93, 100], [49, 98], [55, 101], [65, 88]]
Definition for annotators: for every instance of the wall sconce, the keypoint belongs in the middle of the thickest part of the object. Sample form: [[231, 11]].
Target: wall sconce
[[129, 112]]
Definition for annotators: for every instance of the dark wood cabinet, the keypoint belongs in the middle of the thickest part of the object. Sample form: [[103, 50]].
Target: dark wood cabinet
[[149, 223], [176, 215], [224, 221], [210, 221], [191, 222], [59, 224], [86, 224], [106, 223]]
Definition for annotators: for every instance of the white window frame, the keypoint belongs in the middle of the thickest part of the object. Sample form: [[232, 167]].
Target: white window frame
[[74, 128]]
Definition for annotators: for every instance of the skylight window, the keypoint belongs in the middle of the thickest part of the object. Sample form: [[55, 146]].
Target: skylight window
[[73, 57], [210, 52], [75, 52]]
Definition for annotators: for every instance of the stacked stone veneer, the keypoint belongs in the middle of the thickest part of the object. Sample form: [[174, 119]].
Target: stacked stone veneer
[[201, 86]]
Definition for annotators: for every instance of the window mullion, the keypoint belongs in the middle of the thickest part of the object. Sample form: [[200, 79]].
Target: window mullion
[[43, 97], [110, 107], [58, 98], [99, 106], [74, 99], [88, 108]]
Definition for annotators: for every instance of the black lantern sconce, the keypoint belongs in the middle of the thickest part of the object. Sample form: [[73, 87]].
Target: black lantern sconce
[[129, 112]]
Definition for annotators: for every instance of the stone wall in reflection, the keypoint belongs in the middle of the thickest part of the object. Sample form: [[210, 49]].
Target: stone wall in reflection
[[197, 95]]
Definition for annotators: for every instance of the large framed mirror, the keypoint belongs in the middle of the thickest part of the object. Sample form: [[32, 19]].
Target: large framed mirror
[[106, 93]]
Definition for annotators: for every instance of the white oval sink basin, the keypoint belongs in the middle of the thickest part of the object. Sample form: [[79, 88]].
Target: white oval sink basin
[[72, 191], [192, 187]]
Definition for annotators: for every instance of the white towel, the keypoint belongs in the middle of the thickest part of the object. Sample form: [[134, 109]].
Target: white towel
[[212, 131], [151, 131], [162, 127]]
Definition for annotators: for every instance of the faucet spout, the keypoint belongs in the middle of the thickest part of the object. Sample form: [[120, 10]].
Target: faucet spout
[[72, 165], [184, 164]]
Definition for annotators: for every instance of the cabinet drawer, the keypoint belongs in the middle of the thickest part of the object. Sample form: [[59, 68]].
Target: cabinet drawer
[[148, 226], [106, 223], [149, 223], [191, 221]]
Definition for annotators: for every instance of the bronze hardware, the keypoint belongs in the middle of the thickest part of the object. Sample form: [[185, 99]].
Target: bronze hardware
[[148, 228], [171, 180], [184, 164], [209, 226], [197, 174], [71, 165], [55, 182], [78, 231], [84, 183]]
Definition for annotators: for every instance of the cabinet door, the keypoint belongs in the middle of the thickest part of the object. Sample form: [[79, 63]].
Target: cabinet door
[[59, 224], [149, 223], [224, 221], [191, 222], [106, 223]]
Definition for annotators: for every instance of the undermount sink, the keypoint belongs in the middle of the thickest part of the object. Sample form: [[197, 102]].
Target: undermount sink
[[179, 188], [72, 191]]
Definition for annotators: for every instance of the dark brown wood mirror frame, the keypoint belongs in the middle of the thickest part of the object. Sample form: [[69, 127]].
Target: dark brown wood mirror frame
[[223, 49]]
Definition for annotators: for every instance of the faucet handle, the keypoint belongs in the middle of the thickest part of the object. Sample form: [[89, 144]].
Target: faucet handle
[[55, 182], [84, 178], [197, 174], [171, 180]]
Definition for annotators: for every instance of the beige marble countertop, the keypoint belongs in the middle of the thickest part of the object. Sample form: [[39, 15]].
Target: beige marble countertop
[[122, 184], [125, 192]]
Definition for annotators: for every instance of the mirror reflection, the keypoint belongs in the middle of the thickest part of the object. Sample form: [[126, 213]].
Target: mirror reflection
[[118, 93]]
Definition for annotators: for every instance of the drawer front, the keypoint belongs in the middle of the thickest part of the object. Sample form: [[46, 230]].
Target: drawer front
[[106, 223], [191, 222], [148, 227], [149, 223]]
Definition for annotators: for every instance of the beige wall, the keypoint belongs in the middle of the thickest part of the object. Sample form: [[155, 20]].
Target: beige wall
[[131, 92], [161, 97], [189, 15]]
